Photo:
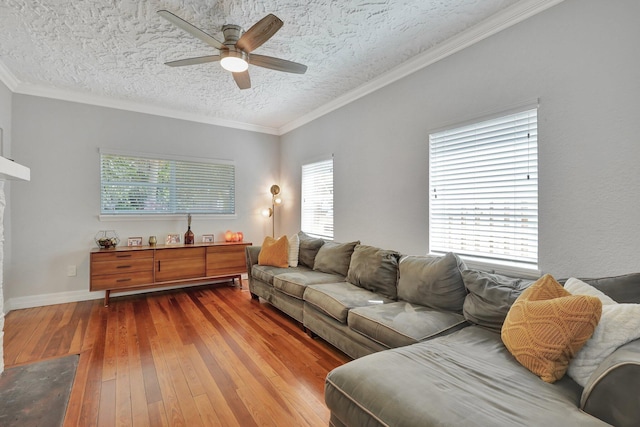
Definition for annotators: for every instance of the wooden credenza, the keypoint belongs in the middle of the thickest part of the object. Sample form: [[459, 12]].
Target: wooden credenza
[[132, 268]]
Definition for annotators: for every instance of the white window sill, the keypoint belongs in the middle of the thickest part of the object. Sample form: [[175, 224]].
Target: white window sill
[[143, 217]]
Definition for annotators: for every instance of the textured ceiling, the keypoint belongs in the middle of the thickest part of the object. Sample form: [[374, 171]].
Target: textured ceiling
[[116, 49]]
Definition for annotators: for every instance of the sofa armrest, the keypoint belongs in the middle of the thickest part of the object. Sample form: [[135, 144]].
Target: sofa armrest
[[613, 391], [251, 256]]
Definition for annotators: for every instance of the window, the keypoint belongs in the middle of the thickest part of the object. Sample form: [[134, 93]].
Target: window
[[317, 199], [137, 184], [484, 190]]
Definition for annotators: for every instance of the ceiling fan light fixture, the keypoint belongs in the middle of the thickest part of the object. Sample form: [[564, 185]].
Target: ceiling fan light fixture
[[234, 61]]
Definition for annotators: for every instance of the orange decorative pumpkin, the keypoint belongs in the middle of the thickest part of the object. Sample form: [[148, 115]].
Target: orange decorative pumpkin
[[240, 236], [228, 236]]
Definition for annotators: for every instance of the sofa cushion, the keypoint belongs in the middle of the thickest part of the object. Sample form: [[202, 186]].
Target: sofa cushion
[[431, 281], [309, 247], [490, 297], [334, 257], [336, 299], [402, 323], [266, 273], [295, 283], [375, 269], [467, 378], [619, 324], [547, 326], [274, 252]]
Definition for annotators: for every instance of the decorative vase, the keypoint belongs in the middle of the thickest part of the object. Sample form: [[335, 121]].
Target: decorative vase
[[189, 237], [152, 240]]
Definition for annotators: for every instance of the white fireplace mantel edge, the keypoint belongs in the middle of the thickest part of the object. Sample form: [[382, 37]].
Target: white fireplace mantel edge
[[12, 170]]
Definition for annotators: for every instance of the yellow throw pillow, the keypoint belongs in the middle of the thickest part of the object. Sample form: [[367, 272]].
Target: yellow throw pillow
[[274, 252], [547, 326]]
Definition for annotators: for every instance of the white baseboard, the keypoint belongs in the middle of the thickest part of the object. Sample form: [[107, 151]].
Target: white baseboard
[[50, 299]]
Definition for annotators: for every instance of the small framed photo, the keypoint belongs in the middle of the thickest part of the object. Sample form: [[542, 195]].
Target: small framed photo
[[207, 238], [172, 239], [134, 241]]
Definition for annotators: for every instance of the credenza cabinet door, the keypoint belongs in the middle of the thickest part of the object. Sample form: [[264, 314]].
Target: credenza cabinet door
[[222, 260], [179, 264]]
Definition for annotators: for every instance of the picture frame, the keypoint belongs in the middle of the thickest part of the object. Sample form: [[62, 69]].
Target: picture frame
[[207, 238], [134, 241], [172, 239]]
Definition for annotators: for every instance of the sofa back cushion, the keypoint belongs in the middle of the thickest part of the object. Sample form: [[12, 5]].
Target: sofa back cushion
[[375, 269], [309, 247], [334, 257], [432, 281], [623, 289], [490, 297]]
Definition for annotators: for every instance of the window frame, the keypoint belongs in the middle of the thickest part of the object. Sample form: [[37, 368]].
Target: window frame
[[304, 227], [149, 215], [486, 260]]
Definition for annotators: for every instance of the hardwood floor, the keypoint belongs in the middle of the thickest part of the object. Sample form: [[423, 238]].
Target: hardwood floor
[[202, 356]]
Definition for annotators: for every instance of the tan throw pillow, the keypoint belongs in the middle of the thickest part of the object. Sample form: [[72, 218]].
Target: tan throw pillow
[[274, 252], [547, 326]]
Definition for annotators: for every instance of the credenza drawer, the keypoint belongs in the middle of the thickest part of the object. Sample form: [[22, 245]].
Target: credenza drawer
[[121, 280], [121, 255], [122, 265]]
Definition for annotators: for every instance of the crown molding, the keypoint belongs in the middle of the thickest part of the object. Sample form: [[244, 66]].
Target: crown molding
[[8, 78], [496, 23], [138, 107]]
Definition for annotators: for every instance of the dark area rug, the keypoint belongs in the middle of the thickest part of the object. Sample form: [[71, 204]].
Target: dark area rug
[[37, 394]]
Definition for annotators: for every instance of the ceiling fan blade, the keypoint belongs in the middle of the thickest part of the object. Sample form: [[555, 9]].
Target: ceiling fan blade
[[193, 61], [261, 31], [277, 64], [194, 31], [242, 79]]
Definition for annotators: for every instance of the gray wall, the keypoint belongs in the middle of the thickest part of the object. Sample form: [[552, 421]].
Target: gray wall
[[579, 58], [56, 214]]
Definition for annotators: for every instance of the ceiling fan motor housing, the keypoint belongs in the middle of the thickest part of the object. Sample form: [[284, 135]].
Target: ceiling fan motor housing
[[232, 34]]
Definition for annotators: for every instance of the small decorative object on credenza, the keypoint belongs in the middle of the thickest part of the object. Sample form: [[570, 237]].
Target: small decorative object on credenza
[[172, 239], [207, 238], [153, 240], [189, 237], [106, 239], [231, 236], [134, 241]]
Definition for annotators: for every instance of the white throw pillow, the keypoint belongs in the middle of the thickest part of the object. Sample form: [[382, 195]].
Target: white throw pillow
[[294, 249], [619, 324]]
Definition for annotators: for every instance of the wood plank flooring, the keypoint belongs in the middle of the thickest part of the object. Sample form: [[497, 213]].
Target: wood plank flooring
[[202, 356]]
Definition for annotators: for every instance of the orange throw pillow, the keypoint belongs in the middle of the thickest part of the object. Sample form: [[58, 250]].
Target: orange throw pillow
[[274, 252], [547, 326]]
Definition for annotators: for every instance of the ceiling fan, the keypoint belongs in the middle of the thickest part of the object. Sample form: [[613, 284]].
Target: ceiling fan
[[235, 52]]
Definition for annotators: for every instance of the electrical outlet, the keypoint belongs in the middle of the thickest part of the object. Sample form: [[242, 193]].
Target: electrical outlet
[[71, 270]]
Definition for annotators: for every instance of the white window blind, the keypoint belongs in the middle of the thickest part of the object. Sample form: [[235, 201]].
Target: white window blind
[[132, 184], [317, 199], [484, 190]]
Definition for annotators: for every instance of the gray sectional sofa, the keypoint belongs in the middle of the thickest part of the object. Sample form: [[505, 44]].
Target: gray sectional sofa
[[425, 333]]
